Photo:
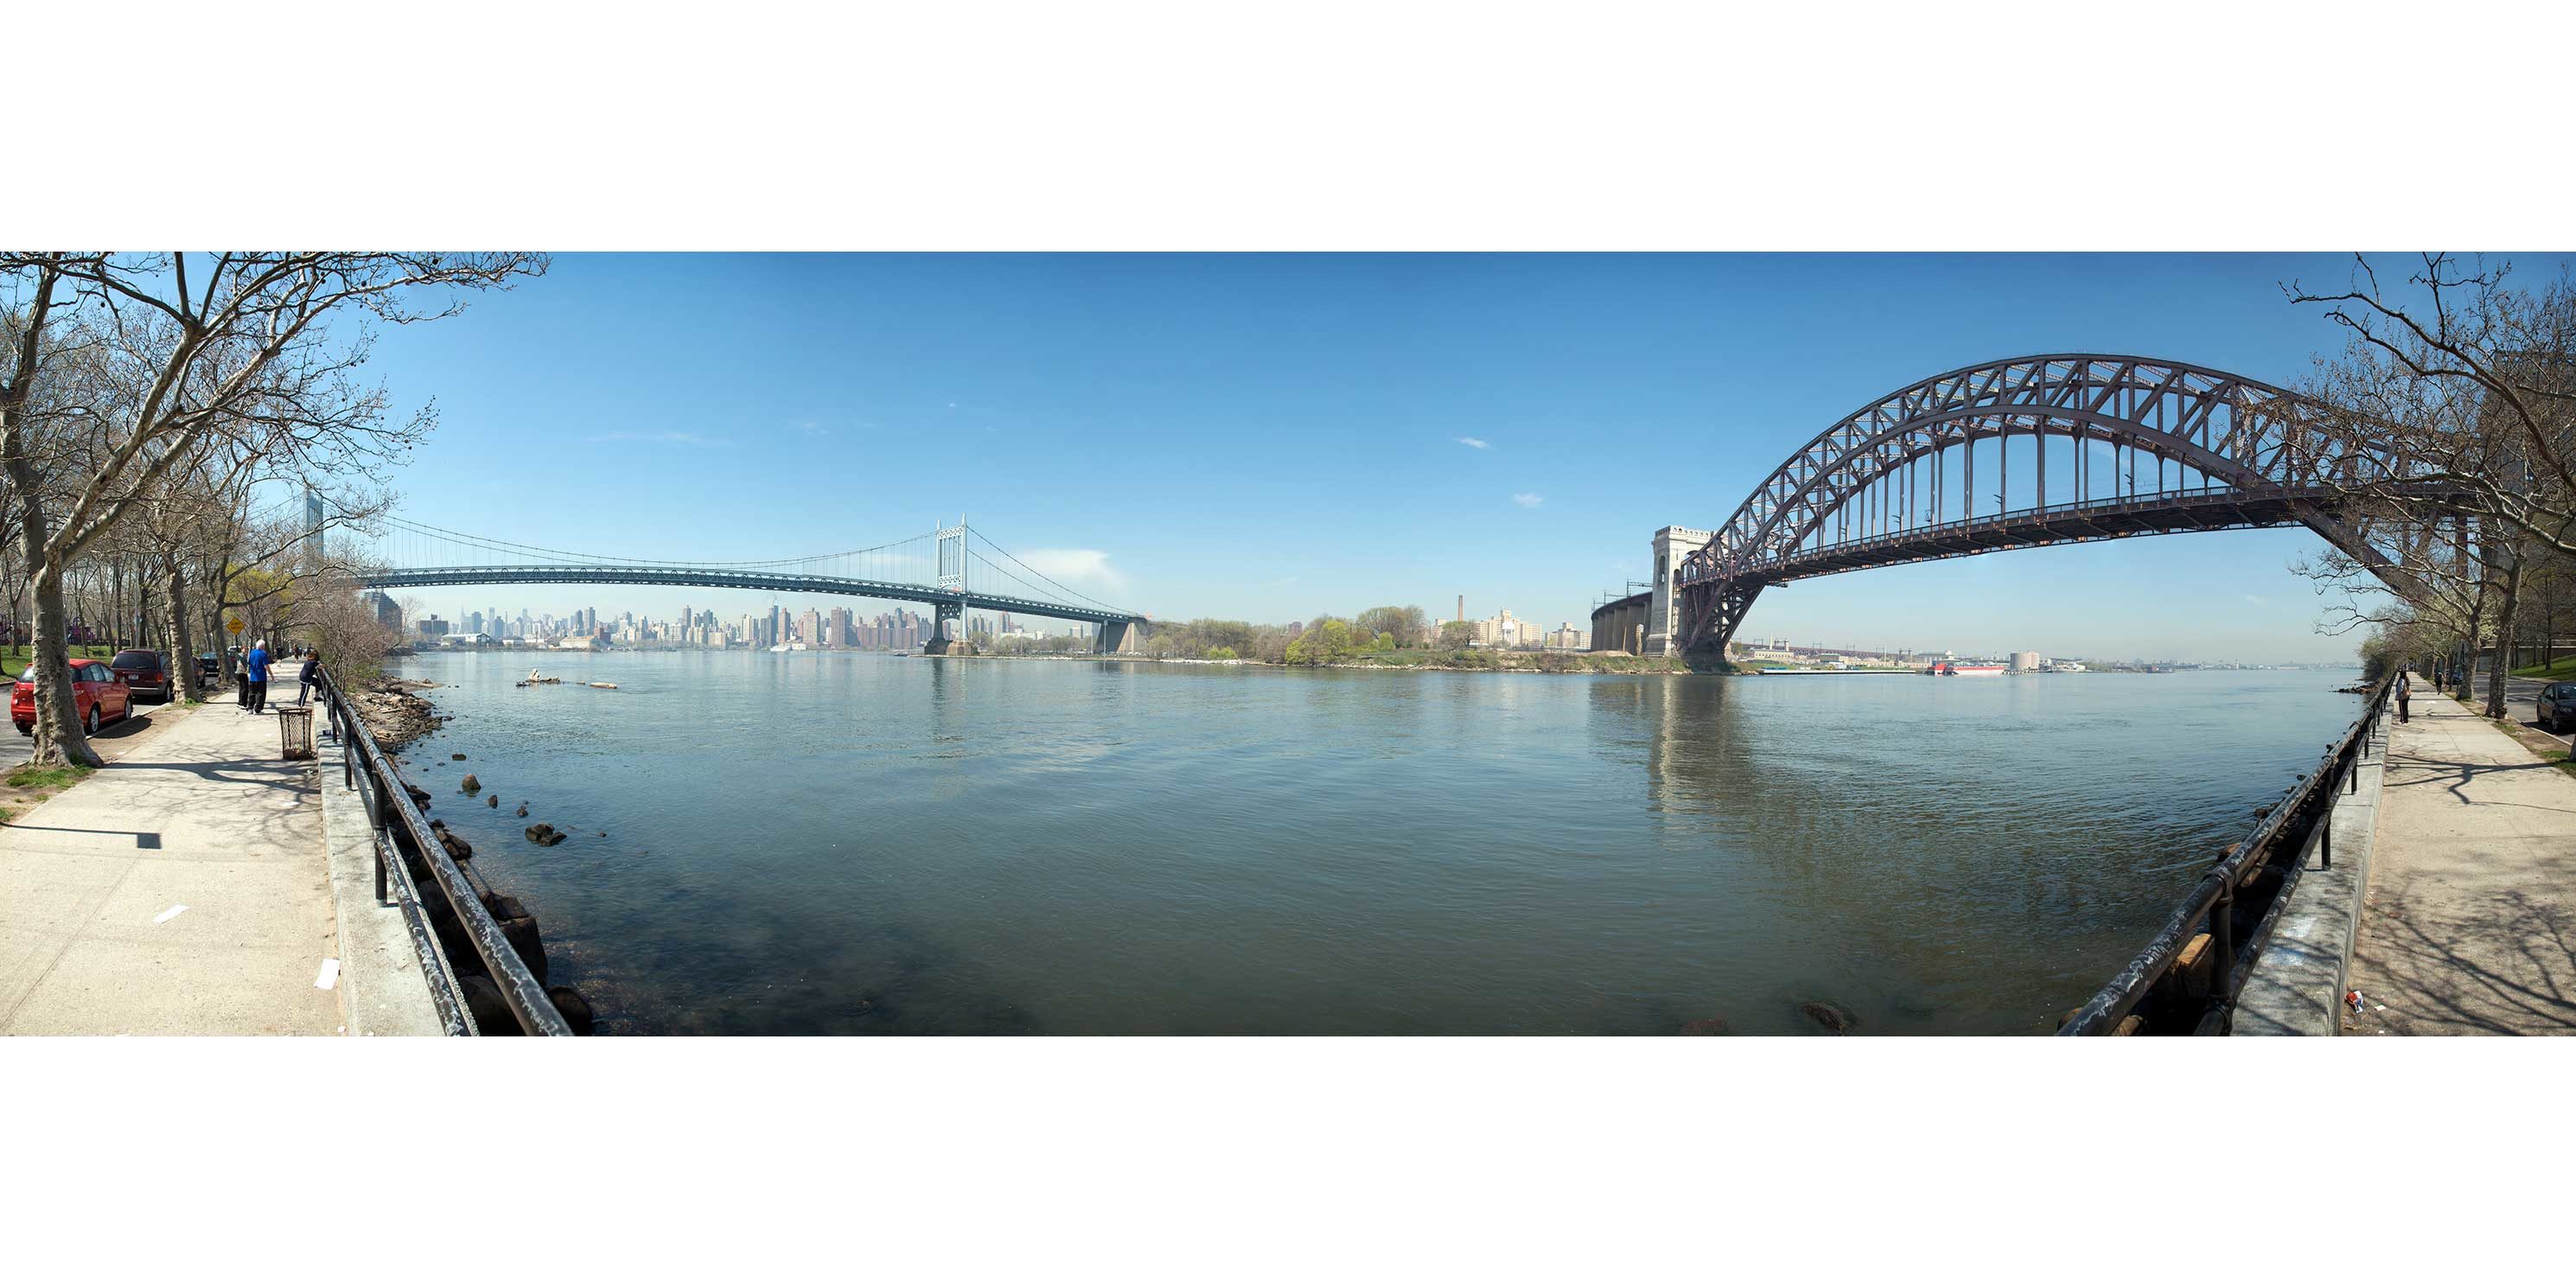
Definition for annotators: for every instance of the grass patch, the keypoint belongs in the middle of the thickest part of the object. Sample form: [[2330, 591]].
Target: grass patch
[[47, 776], [2540, 744], [2562, 669]]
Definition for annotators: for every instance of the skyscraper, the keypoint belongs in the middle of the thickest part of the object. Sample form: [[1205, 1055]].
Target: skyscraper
[[313, 547]]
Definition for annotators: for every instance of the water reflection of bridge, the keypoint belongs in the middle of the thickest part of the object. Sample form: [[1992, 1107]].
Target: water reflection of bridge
[[1913, 828]]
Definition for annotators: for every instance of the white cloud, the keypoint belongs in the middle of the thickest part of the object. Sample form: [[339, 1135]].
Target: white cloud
[[1077, 568], [1477, 443], [810, 428], [2253, 599], [1528, 500], [666, 436]]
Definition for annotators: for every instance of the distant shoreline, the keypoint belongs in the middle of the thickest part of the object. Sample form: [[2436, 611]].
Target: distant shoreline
[[1517, 663]]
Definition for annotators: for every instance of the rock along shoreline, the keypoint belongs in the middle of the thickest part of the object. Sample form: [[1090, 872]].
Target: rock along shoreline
[[395, 712]]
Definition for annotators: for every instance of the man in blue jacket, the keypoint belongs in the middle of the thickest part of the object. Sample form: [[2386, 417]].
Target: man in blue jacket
[[255, 667]]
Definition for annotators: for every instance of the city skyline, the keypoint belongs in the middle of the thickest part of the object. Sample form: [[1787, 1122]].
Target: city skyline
[[834, 626], [462, 621]]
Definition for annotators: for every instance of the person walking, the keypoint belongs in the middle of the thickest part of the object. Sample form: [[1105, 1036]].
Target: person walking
[[255, 669], [304, 678], [2405, 690]]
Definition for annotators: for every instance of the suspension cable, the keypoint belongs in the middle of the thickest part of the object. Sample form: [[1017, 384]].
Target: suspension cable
[[495, 544], [1060, 586]]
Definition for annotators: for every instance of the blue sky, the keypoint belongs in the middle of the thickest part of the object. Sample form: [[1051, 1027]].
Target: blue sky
[[1271, 437]]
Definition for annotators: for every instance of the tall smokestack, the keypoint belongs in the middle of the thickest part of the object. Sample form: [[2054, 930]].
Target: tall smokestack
[[1462, 608]]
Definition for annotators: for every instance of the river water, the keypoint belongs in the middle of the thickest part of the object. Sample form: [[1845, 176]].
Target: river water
[[857, 843]]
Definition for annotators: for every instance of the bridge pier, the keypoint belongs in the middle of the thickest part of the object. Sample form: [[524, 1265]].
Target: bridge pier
[[945, 638], [1118, 637], [1620, 626]]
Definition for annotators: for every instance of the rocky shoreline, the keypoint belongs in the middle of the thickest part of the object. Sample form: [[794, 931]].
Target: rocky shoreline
[[396, 715], [394, 712]]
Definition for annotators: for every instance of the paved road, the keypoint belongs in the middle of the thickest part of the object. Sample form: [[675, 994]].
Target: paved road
[[2469, 925], [206, 817]]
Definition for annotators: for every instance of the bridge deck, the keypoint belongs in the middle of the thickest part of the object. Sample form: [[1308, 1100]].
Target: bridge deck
[[2201, 510], [737, 579]]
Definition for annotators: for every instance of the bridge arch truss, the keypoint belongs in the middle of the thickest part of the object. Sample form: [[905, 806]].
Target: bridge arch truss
[[1930, 470]]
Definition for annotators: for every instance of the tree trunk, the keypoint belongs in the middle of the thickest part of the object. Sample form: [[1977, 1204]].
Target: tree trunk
[[174, 622], [2466, 682], [2504, 640], [57, 730], [223, 640], [59, 739]]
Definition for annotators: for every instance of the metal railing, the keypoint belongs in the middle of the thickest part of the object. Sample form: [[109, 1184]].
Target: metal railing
[[2187, 978], [392, 820]]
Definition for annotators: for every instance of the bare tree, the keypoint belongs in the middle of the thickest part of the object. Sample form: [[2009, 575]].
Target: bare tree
[[2448, 430], [332, 615], [123, 367], [2499, 362]]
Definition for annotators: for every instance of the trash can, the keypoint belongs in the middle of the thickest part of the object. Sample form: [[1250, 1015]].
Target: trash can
[[295, 732]]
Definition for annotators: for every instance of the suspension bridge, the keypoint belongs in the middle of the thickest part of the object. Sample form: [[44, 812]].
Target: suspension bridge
[[952, 569], [1961, 464]]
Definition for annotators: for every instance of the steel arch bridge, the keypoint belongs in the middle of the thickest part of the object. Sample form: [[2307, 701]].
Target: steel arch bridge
[[1898, 481]]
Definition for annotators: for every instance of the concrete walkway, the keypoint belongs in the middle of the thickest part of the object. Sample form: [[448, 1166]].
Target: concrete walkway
[[207, 819], [2470, 921]]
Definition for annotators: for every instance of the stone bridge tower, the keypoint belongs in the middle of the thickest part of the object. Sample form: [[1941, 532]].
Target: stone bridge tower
[[1663, 607]]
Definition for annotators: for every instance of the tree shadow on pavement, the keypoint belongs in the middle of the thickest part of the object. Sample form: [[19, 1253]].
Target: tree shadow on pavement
[[2497, 963], [2456, 775]]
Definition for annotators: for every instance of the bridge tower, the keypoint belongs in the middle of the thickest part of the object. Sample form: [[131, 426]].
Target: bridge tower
[[1663, 606], [944, 635]]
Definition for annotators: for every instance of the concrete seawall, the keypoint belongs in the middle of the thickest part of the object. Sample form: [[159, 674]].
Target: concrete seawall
[[384, 990], [2296, 987]]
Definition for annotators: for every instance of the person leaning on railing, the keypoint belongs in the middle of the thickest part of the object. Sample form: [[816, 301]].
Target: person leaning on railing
[[304, 678]]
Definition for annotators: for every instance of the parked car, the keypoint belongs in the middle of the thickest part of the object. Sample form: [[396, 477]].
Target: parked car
[[146, 672], [2557, 712], [96, 692], [208, 668]]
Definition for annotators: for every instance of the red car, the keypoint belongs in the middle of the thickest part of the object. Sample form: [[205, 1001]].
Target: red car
[[95, 691], [145, 672]]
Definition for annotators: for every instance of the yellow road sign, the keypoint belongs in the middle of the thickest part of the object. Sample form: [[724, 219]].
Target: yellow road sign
[[234, 625]]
